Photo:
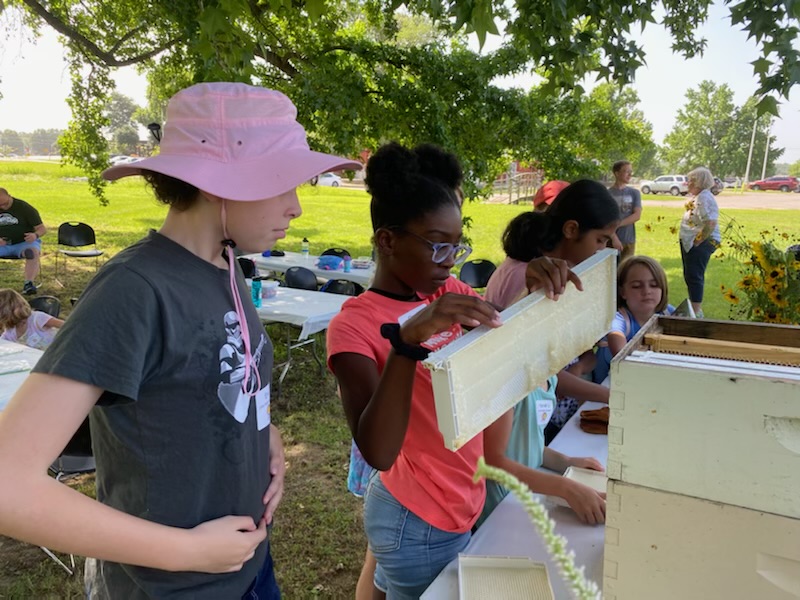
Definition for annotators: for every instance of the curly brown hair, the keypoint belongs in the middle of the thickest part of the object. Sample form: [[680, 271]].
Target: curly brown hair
[[13, 309], [171, 191]]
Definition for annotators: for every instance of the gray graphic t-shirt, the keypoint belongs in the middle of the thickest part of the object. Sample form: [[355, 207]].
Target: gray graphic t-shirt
[[177, 438], [628, 199]]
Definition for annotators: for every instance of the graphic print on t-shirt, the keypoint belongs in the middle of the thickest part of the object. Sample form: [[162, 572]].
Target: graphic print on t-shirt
[[230, 392], [8, 219]]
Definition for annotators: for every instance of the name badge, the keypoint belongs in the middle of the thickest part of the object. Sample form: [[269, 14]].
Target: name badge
[[544, 411]]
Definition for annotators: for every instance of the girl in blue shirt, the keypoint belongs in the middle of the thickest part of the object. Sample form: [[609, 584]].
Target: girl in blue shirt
[[641, 293]]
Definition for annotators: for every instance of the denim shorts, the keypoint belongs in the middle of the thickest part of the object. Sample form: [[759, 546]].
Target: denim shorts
[[409, 551], [17, 250]]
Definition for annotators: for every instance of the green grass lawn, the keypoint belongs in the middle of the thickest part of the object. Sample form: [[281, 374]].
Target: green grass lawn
[[317, 540]]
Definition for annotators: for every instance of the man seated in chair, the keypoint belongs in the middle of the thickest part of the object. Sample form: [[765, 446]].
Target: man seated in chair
[[21, 230]]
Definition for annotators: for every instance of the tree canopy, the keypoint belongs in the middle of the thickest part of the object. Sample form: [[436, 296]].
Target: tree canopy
[[362, 72], [711, 130]]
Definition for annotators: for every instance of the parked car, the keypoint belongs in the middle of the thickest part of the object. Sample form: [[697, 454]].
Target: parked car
[[330, 179], [783, 183], [732, 182], [122, 159], [672, 184]]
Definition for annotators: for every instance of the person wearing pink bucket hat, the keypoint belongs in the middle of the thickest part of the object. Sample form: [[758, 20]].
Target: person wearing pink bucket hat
[[159, 354]]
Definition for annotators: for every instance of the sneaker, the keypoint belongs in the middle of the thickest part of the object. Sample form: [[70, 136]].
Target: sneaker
[[29, 289]]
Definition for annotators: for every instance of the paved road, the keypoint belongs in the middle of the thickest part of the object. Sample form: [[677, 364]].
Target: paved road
[[726, 200], [755, 200]]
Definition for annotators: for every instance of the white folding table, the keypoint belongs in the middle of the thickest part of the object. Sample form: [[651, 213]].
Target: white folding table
[[281, 264], [10, 382], [309, 310], [509, 531]]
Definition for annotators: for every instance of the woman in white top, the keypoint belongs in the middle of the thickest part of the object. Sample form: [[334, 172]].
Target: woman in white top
[[699, 234], [23, 325]]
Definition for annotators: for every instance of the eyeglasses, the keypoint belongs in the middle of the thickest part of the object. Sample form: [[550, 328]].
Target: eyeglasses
[[443, 251]]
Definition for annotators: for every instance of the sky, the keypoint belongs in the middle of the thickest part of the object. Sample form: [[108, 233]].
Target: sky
[[38, 101]]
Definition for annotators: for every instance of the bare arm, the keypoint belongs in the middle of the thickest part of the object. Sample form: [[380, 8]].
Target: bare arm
[[34, 428], [632, 218], [708, 229], [616, 342], [378, 405], [53, 322], [615, 243], [38, 231], [580, 389], [588, 504]]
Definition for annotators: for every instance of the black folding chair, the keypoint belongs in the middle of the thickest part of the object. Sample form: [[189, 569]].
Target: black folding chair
[[342, 286], [248, 267], [73, 236], [300, 278], [46, 304], [476, 273], [340, 252]]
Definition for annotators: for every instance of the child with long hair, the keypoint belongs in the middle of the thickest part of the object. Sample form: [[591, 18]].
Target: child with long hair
[[19, 323], [642, 292], [420, 507], [581, 221]]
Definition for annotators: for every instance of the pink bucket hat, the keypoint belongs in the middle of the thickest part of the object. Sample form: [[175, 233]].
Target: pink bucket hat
[[548, 192], [235, 141]]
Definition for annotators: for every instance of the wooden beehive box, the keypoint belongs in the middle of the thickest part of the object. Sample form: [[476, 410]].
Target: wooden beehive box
[[665, 546], [723, 429]]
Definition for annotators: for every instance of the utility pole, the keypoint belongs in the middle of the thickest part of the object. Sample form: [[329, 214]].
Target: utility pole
[[749, 156], [766, 151]]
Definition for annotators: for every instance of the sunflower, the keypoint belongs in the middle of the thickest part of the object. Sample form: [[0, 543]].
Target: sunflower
[[730, 296], [759, 255], [778, 299], [748, 282], [776, 273]]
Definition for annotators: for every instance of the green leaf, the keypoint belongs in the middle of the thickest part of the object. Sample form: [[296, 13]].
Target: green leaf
[[761, 66], [768, 105], [315, 8]]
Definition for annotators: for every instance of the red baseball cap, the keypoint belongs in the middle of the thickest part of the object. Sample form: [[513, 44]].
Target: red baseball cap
[[548, 192]]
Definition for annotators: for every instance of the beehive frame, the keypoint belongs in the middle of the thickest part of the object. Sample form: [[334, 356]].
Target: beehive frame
[[487, 371]]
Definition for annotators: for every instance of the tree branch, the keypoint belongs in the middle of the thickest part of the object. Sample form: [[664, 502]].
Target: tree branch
[[90, 47]]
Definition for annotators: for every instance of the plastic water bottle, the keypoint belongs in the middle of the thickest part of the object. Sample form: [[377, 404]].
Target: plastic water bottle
[[255, 291], [304, 248], [347, 262]]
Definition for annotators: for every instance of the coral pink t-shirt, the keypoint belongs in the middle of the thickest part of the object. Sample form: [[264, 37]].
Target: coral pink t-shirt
[[506, 283], [431, 481]]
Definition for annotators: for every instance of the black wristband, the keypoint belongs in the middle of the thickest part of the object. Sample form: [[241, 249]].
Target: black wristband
[[391, 331]]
